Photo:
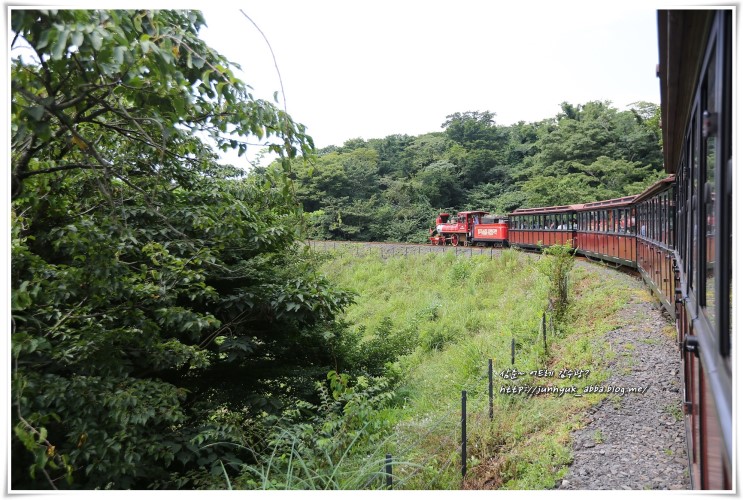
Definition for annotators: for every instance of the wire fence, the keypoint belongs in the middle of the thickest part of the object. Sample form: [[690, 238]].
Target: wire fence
[[387, 250], [467, 415], [468, 411]]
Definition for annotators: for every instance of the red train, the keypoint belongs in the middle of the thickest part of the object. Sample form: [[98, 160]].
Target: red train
[[467, 228], [677, 233]]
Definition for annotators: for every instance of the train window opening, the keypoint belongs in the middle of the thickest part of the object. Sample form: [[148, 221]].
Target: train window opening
[[709, 161], [695, 202]]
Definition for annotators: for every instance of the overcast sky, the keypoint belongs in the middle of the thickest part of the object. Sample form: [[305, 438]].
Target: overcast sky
[[371, 69]]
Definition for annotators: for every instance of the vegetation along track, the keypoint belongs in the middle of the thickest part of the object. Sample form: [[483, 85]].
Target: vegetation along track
[[625, 441]]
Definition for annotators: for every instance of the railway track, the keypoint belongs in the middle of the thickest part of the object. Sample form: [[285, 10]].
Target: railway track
[[392, 249]]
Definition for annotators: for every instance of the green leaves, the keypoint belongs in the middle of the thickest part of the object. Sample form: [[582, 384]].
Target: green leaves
[[151, 286]]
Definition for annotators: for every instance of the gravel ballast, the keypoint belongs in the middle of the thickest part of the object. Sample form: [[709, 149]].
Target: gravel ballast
[[635, 441]]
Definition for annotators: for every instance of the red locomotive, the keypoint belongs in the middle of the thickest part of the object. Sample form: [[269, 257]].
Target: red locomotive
[[470, 228]]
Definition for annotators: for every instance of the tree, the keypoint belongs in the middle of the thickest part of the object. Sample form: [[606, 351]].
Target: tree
[[159, 301], [473, 128]]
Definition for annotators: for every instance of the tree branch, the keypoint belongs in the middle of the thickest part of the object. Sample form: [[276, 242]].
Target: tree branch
[[71, 166]]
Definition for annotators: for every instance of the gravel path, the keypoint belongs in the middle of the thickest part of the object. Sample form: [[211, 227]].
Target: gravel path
[[635, 441]]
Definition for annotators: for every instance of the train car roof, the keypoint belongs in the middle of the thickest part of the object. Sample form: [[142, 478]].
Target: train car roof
[[655, 187], [472, 212], [682, 36], [614, 202], [546, 210]]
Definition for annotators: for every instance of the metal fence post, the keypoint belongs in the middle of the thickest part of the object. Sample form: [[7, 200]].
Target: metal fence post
[[490, 386], [464, 433], [513, 350], [388, 470], [544, 330]]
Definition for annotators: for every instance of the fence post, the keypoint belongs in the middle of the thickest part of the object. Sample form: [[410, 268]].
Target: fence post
[[464, 433], [544, 330], [490, 386], [388, 470], [513, 350]]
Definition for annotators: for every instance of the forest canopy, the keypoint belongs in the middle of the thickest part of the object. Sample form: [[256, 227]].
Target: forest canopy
[[391, 189]]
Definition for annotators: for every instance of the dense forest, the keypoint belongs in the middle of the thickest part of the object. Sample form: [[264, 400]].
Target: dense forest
[[391, 189], [165, 313]]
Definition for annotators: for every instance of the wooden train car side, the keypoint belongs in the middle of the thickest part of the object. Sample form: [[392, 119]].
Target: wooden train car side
[[534, 228], [606, 230], [655, 209], [696, 111]]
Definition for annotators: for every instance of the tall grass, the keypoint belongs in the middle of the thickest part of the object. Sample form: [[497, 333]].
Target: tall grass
[[462, 311]]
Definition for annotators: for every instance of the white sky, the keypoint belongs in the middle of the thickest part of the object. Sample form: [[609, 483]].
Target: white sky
[[371, 69]]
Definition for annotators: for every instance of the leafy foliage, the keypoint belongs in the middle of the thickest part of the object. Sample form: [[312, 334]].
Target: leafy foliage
[[586, 153], [331, 448], [555, 266], [160, 300]]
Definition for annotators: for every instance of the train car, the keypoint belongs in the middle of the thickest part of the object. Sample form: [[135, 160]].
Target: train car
[[655, 209], [533, 228], [491, 230], [606, 230], [695, 72]]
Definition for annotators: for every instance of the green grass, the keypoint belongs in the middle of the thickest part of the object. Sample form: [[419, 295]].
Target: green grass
[[464, 311]]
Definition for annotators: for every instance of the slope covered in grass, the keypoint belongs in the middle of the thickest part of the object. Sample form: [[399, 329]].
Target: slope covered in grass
[[459, 312]]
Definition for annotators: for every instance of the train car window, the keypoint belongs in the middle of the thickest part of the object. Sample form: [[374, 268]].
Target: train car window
[[664, 218], [659, 218], [671, 218], [627, 222], [656, 218], [683, 210], [708, 193], [695, 130]]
